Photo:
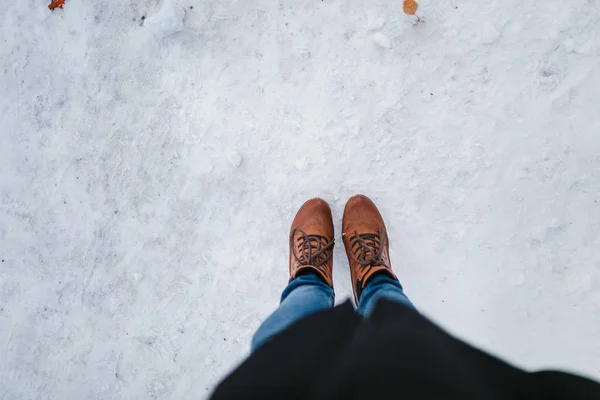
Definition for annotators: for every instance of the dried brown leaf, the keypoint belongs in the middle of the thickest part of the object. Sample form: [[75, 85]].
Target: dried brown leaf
[[56, 4], [410, 6]]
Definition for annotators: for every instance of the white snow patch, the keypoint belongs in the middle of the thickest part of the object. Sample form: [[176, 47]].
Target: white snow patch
[[490, 33], [375, 23], [167, 20], [235, 159], [138, 276], [382, 40]]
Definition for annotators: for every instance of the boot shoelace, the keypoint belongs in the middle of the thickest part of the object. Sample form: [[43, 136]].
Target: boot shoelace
[[367, 248], [313, 250]]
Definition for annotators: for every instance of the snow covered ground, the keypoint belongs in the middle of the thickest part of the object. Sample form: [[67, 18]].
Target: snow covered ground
[[153, 155]]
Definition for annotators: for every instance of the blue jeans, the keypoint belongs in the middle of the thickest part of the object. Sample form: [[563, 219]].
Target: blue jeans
[[308, 294]]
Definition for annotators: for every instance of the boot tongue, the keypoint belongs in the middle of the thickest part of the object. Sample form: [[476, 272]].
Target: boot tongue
[[313, 251], [369, 248]]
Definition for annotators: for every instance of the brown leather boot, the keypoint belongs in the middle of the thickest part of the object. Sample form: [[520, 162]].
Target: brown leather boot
[[366, 242], [311, 241]]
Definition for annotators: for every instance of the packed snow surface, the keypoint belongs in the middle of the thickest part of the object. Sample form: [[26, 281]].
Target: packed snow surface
[[153, 154]]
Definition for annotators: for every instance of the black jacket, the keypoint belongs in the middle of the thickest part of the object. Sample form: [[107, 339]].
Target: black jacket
[[396, 353]]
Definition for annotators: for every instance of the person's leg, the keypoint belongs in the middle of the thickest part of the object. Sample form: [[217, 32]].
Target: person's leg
[[378, 287], [311, 270], [304, 295]]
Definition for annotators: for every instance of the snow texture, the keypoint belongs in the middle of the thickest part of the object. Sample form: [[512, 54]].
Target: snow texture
[[167, 21], [153, 154]]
